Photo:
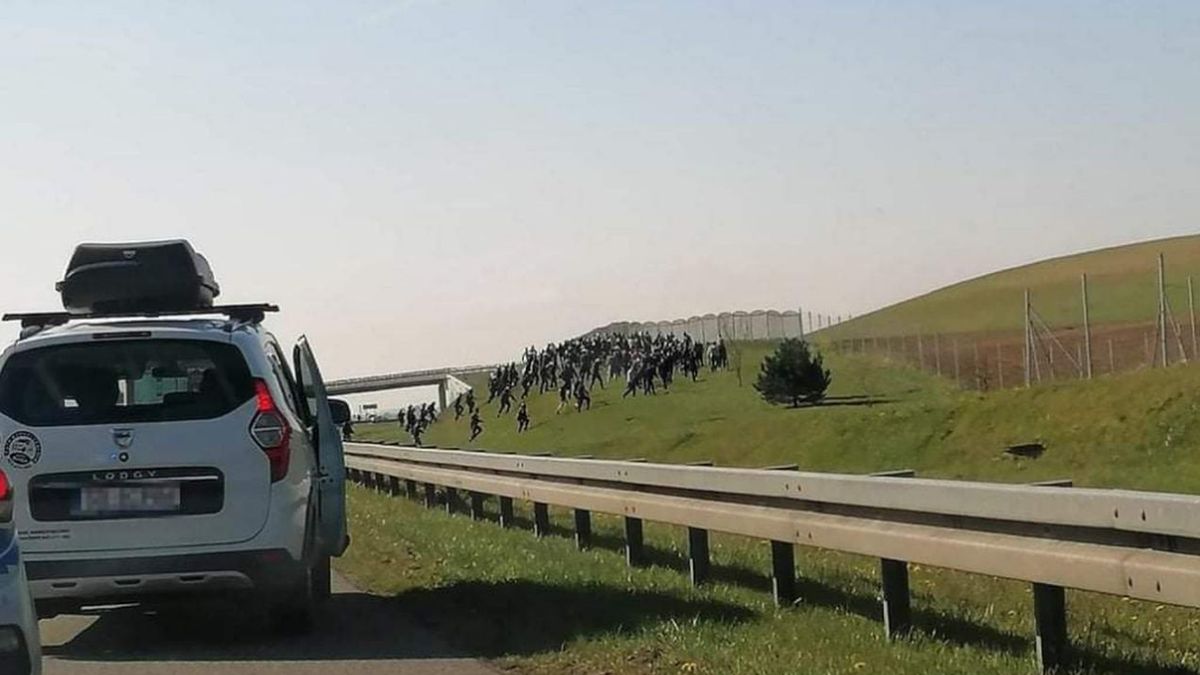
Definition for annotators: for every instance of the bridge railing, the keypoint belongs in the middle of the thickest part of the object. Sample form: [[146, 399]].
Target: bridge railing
[[1135, 544], [411, 374]]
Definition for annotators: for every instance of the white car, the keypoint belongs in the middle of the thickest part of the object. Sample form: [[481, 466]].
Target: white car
[[20, 646], [159, 458]]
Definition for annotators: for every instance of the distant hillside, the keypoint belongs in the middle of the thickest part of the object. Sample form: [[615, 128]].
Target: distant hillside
[[1135, 430], [1122, 289]]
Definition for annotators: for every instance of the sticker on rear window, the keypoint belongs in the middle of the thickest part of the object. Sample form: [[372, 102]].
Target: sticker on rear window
[[22, 449]]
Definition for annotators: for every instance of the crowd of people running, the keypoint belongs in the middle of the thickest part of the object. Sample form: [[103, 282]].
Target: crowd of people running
[[574, 369]]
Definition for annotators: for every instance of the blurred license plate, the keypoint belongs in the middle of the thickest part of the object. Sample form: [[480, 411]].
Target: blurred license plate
[[139, 499]]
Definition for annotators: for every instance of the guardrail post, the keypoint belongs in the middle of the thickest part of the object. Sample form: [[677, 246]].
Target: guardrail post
[[1050, 624], [410, 489], [583, 528], [783, 572], [476, 506], [368, 480], [698, 559], [897, 602], [430, 495], [452, 502], [541, 519], [635, 542], [783, 559], [896, 596], [506, 512], [393, 486], [1050, 613]]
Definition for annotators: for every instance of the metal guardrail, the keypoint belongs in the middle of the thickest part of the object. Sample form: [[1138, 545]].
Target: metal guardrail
[[1137, 544]]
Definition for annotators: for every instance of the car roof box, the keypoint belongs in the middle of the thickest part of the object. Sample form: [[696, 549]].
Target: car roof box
[[146, 277]]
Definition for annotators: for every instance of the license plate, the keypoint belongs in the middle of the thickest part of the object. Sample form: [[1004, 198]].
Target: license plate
[[132, 499]]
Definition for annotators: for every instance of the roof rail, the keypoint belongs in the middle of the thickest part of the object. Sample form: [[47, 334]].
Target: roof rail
[[252, 313]]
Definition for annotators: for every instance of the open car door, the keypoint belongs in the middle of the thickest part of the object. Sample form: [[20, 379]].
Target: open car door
[[331, 536]]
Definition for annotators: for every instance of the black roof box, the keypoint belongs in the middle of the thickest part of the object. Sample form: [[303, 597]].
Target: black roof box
[[150, 277]]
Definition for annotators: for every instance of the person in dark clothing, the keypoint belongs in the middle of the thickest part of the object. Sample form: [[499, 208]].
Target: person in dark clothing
[[522, 418], [458, 407], [348, 431], [596, 378], [471, 401], [632, 379], [476, 426], [506, 400], [582, 397], [564, 392]]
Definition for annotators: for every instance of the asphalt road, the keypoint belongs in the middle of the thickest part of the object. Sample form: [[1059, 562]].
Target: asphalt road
[[362, 634]]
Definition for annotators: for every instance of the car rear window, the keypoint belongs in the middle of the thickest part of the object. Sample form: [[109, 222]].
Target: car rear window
[[124, 381]]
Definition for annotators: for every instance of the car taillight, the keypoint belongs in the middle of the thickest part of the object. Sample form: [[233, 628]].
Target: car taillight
[[6, 498], [270, 431]]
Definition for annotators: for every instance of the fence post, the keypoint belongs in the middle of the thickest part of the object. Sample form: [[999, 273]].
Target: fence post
[[999, 366], [506, 512], [957, 370], [541, 519], [698, 558], [410, 489], [476, 506], [635, 543], [937, 352], [897, 599], [1162, 310], [783, 572], [1050, 624], [394, 486], [430, 495], [1087, 330], [451, 500], [1028, 344], [1192, 312], [783, 560], [583, 528]]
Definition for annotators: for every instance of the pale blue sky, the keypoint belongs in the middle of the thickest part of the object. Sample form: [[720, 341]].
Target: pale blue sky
[[423, 183]]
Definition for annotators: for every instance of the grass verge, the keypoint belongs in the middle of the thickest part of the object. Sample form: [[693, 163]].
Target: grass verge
[[540, 606]]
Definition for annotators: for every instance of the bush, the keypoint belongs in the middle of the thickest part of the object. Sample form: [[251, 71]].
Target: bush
[[793, 375]]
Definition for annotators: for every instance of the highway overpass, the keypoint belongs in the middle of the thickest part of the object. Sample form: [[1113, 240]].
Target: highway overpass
[[447, 380]]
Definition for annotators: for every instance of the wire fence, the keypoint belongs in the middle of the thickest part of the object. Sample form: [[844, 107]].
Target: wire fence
[[763, 324], [1043, 352]]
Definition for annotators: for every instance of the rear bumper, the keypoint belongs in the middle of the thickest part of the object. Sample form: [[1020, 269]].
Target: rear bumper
[[60, 585]]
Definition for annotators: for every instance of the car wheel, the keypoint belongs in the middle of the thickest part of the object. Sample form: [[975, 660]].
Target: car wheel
[[322, 581], [294, 613]]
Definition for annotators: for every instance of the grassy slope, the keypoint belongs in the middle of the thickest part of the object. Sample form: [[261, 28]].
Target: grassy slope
[[1122, 284], [541, 607], [1136, 430]]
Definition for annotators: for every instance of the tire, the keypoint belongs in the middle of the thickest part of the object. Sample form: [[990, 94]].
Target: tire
[[322, 579], [295, 612]]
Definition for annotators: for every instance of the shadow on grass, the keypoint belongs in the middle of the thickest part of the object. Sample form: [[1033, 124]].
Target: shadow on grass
[[598, 609], [521, 618], [848, 401]]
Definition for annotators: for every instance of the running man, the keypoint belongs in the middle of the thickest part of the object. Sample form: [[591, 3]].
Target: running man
[[476, 426], [522, 418]]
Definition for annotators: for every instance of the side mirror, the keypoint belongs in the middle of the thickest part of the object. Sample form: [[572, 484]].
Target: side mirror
[[340, 410]]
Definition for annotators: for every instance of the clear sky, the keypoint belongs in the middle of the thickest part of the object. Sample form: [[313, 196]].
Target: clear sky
[[426, 183]]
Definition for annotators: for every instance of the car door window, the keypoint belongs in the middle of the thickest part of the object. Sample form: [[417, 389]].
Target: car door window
[[283, 375]]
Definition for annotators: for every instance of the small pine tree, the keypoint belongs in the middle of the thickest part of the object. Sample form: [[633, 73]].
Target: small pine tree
[[793, 375]]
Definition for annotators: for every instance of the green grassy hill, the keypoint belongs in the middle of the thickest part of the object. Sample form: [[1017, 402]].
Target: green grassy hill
[[1122, 284], [1137, 430], [540, 606]]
